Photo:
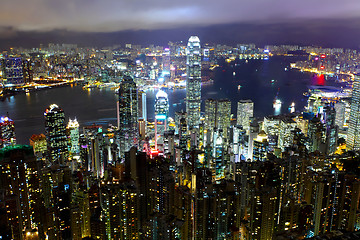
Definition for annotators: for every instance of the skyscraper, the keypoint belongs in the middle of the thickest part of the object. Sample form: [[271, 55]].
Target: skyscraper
[[245, 111], [74, 136], [13, 71], [55, 131], [210, 114], [166, 62], [193, 81], [353, 135], [7, 132], [161, 114], [128, 115]]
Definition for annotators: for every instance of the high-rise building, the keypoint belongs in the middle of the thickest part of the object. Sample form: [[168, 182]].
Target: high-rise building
[[38, 142], [223, 116], [260, 148], [128, 115], [55, 131], [12, 69], [74, 136], [21, 192], [142, 105], [193, 81], [210, 114], [7, 132], [161, 114], [285, 128], [353, 134], [217, 115], [245, 111], [166, 62]]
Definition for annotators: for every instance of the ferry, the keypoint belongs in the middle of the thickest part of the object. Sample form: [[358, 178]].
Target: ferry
[[277, 103]]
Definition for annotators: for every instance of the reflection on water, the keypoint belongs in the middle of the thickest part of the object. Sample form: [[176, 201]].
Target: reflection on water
[[93, 105]]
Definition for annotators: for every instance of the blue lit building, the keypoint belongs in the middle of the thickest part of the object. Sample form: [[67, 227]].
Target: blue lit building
[[12, 69]]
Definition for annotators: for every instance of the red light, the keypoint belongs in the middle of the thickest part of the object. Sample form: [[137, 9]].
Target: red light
[[323, 56], [322, 67], [154, 152]]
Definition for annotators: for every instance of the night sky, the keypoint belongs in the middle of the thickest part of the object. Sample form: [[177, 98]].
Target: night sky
[[28, 22]]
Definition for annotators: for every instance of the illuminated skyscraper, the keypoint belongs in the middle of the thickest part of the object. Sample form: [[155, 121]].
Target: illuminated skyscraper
[[166, 62], [12, 69], [210, 114], [21, 192], [193, 81], [161, 114], [223, 116], [353, 134], [128, 115], [245, 111], [55, 131], [217, 115], [73, 128], [7, 132]]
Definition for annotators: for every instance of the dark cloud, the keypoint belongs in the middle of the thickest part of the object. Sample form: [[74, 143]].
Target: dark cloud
[[116, 15], [327, 33]]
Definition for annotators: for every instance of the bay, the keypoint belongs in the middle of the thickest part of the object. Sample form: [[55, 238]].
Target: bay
[[260, 81]]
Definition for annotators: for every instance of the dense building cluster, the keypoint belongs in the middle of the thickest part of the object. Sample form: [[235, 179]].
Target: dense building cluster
[[199, 175]]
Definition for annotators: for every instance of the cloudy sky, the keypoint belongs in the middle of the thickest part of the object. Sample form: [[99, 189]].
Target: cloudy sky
[[117, 15]]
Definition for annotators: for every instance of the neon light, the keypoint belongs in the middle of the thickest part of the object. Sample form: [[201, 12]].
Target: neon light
[[160, 117]]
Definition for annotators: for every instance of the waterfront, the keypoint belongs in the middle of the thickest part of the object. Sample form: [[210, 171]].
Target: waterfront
[[260, 81]]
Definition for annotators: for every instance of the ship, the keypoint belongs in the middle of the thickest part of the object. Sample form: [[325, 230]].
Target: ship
[[277, 102]]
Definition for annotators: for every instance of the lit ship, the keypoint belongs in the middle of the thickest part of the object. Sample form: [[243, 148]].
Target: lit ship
[[277, 103]]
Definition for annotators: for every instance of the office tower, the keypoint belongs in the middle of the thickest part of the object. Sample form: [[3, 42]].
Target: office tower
[[315, 135], [223, 116], [55, 132], [128, 115], [27, 71], [353, 134], [12, 72], [285, 128], [271, 127], [245, 111], [142, 114], [74, 136], [142, 105], [260, 148], [7, 132], [253, 132], [217, 115], [178, 116], [57, 186], [21, 192], [161, 114], [38, 142], [193, 81], [331, 130], [166, 62], [210, 115], [340, 108]]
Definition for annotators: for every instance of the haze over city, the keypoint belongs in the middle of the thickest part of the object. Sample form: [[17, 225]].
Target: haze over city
[[100, 23]]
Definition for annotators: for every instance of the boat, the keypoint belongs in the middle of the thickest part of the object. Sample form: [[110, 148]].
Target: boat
[[292, 107], [277, 103]]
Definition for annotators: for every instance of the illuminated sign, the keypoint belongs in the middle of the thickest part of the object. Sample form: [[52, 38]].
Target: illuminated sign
[[160, 117]]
